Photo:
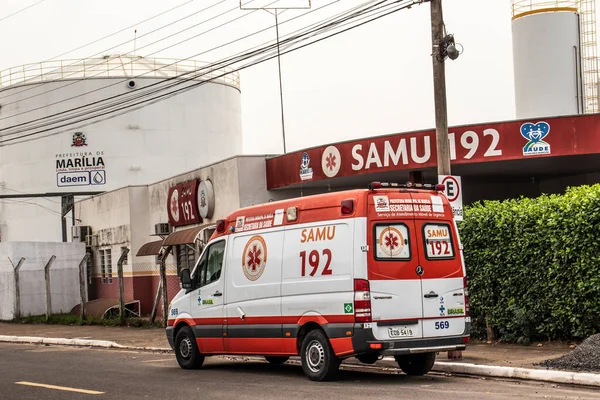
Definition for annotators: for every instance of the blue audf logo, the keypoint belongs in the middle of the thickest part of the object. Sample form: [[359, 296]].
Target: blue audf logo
[[306, 172], [305, 161], [535, 134]]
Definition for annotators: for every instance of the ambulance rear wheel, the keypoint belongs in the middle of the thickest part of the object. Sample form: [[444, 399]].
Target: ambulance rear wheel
[[186, 350], [416, 364], [276, 360], [319, 362]]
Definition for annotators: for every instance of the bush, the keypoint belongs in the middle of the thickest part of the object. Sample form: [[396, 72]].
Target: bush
[[534, 265]]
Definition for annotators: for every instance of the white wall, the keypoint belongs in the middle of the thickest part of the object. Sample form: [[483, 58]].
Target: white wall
[[546, 64], [197, 127], [64, 277]]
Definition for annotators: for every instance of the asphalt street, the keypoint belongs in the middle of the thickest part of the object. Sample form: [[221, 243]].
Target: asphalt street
[[54, 372]]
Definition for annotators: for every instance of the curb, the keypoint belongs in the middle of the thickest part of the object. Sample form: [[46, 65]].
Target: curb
[[574, 378], [106, 344], [60, 341], [565, 377]]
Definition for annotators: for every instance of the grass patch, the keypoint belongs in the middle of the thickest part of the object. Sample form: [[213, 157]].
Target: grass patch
[[70, 319]]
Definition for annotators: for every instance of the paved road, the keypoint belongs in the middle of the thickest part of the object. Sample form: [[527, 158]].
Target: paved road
[[112, 374]]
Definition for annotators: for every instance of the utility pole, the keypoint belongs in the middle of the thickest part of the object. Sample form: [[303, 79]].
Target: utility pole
[[439, 89]]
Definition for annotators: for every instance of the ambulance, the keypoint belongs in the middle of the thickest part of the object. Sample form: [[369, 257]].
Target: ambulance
[[361, 273]]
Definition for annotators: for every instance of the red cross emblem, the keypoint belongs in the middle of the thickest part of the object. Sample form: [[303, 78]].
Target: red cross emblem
[[391, 242], [174, 205], [254, 258]]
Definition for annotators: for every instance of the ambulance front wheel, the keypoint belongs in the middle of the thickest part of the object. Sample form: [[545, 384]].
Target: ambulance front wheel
[[186, 350], [276, 360], [416, 364], [319, 362]]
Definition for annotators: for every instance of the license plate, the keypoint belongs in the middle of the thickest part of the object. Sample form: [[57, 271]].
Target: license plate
[[400, 332]]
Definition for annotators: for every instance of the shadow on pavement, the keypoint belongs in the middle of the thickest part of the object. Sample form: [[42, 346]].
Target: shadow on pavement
[[364, 376]]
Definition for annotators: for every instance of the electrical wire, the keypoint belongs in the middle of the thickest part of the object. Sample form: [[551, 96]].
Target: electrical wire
[[167, 94], [113, 84], [329, 26], [18, 191], [135, 77], [7, 202], [118, 66], [21, 10], [36, 65], [115, 96]]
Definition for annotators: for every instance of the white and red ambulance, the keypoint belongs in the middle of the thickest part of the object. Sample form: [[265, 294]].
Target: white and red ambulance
[[360, 273]]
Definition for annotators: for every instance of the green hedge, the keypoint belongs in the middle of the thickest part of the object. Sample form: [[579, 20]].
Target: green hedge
[[534, 265]]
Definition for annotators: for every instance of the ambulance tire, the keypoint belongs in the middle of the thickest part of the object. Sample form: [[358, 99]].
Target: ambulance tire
[[186, 350], [276, 360], [416, 364], [319, 362]]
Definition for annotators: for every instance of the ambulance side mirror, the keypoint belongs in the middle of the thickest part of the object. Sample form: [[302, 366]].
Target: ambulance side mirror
[[186, 280]]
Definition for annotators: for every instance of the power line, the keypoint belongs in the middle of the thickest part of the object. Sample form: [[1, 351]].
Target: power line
[[87, 117], [107, 50], [169, 94], [18, 191], [12, 202], [113, 84], [124, 80], [123, 94], [21, 10]]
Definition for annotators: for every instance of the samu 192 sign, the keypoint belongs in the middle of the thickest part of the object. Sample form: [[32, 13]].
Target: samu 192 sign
[[182, 204]]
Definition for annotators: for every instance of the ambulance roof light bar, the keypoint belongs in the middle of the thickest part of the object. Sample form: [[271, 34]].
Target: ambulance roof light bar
[[408, 185]]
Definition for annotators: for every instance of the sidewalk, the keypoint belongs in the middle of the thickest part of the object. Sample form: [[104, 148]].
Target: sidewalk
[[134, 337], [505, 355]]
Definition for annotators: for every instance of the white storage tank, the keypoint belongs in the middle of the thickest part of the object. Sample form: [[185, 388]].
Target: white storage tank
[[547, 58], [178, 134]]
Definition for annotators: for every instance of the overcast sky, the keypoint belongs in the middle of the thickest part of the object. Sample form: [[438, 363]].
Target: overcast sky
[[371, 81]]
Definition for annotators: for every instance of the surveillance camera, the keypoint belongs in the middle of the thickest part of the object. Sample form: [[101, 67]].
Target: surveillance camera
[[452, 52]]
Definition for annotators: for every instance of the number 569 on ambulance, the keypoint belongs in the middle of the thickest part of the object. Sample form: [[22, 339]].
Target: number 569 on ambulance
[[360, 273]]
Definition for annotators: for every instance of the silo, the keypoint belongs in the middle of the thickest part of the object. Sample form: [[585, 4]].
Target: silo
[[177, 134], [547, 58]]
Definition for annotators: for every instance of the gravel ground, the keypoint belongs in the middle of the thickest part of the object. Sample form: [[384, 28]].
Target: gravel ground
[[586, 357]]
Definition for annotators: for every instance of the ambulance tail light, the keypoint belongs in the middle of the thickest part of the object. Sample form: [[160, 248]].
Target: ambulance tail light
[[440, 187], [466, 291], [221, 226], [362, 301], [347, 207]]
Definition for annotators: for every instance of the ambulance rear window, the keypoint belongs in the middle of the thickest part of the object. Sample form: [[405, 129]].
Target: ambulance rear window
[[392, 242], [438, 241]]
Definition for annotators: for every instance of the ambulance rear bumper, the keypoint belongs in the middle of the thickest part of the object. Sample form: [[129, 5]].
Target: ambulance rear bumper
[[363, 341]]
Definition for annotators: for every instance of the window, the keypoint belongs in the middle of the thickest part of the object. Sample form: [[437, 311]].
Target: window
[[392, 242], [438, 241], [106, 265], [210, 265], [186, 257]]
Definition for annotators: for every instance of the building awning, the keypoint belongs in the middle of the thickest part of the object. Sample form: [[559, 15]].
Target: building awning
[[186, 236], [150, 249]]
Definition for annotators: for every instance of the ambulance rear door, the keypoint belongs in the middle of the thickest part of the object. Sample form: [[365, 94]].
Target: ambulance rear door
[[442, 272], [393, 266]]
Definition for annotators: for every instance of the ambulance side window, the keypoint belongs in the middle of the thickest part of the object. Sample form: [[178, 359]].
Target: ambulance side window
[[211, 264]]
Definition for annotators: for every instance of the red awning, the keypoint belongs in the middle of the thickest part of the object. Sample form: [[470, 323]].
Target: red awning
[[185, 236], [150, 249]]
